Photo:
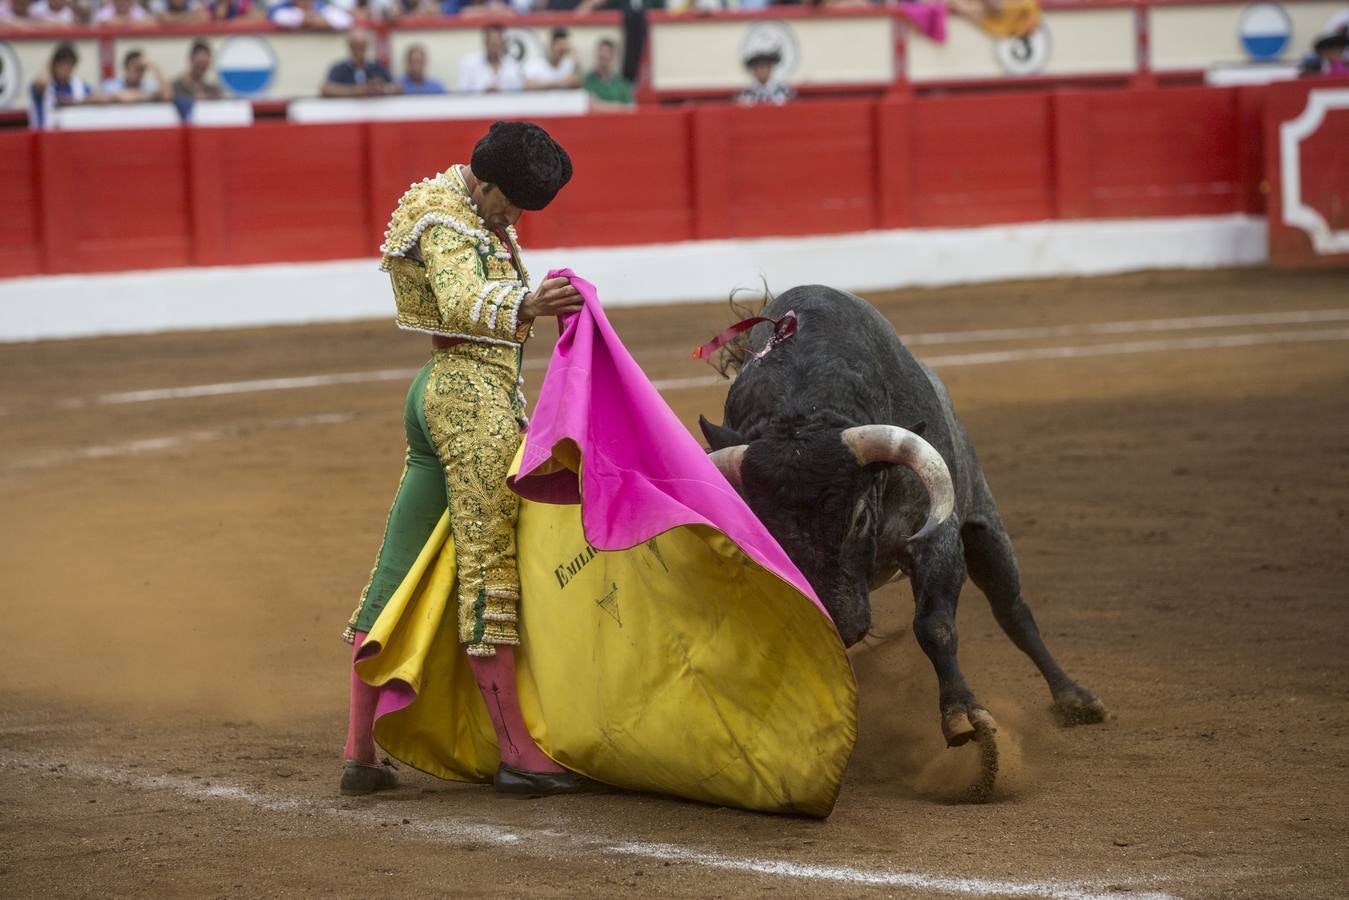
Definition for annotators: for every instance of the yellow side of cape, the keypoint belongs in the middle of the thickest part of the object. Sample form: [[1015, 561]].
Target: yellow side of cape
[[678, 666]]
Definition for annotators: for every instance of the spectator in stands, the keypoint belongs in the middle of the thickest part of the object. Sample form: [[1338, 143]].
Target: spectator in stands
[[224, 10], [589, 6], [141, 81], [311, 15], [491, 69], [557, 69], [766, 89], [386, 9], [194, 83], [15, 14], [53, 12], [476, 7], [361, 75], [57, 86], [179, 10], [606, 86], [1330, 52], [414, 80], [122, 12]]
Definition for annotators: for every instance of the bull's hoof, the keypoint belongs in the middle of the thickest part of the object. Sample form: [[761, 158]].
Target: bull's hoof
[[1077, 706], [959, 727], [985, 732]]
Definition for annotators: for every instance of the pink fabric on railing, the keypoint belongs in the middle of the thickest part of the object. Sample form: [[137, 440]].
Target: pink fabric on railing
[[929, 18], [644, 474]]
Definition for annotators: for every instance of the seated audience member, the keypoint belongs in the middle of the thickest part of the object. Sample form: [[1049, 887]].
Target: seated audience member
[[395, 9], [766, 89], [57, 86], [53, 12], [179, 10], [141, 81], [557, 69], [14, 14], [382, 9], [589, 6], [604, 82], [361, 75], [470, 8], [491, 69], [225, 10], [311, 15], [414, 80], [122, 12], [194, 83], [1330, 52]]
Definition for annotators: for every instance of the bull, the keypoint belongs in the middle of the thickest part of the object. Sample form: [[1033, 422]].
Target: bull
[[821, 434]]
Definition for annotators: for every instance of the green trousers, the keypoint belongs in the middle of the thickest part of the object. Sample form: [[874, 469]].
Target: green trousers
[[461, 417]]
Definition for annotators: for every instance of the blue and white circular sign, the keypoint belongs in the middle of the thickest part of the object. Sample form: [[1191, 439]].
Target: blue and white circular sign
[[11, 75], [247, 65], [1265, 31]]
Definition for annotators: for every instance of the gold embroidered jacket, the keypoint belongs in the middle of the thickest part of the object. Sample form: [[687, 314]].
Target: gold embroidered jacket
[[451, 275]]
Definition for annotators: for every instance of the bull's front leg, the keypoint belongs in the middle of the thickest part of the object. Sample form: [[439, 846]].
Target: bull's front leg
[[938, 567]]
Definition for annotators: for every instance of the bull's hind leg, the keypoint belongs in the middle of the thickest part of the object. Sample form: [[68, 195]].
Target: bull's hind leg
[[992, 567], [938, 572]]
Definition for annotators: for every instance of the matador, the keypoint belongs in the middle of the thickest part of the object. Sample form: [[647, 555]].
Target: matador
[[454, 261]]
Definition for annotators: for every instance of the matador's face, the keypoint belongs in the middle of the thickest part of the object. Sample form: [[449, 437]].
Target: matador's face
[[496, 210]]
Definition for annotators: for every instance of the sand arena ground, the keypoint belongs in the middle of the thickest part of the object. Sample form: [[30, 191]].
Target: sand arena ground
[[179, 562]]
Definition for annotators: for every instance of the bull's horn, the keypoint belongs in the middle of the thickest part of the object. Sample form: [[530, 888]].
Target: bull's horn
[[892, 444], [728, 460]]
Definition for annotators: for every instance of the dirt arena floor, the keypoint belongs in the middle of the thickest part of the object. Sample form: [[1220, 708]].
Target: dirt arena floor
[[180, 561]]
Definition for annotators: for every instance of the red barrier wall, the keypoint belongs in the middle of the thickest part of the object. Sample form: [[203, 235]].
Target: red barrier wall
[[806, 169], [89, 201], [114, 200], [20, 226], [1308, 219], [965, 161], [281, 193], [1170, 152]]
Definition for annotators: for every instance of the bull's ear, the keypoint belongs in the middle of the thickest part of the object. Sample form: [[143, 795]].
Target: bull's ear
[[719, 436]]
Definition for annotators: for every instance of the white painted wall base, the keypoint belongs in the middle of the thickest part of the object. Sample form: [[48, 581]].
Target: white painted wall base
[[238, 296]]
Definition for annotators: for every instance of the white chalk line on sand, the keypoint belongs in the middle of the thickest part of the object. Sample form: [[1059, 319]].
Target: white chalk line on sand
[[1186, 323], [550, 843], [174, 441], [1159, 345], [225, 388]]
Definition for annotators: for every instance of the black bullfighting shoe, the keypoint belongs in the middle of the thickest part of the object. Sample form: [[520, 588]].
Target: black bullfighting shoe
[[520, 782], [363, 778]]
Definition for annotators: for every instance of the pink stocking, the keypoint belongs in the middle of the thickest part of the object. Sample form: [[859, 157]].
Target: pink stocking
[[496, 679], [361, 714]]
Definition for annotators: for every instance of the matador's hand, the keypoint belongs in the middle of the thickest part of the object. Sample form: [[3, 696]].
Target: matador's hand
[[555, 297]]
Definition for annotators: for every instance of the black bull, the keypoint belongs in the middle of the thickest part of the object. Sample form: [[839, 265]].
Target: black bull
[[851, 522]]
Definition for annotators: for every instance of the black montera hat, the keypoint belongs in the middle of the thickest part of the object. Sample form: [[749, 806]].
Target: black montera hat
[[523, 161], [772, 57], [1333, 40]]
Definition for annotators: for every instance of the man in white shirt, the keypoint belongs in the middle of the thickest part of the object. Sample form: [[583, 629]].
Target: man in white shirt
[[311, 15], [53, 12], [491, 69], [557, 69], [141, 81]]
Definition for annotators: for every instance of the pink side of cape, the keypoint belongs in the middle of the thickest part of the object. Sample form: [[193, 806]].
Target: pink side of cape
[[929, 18], [643, 473]]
